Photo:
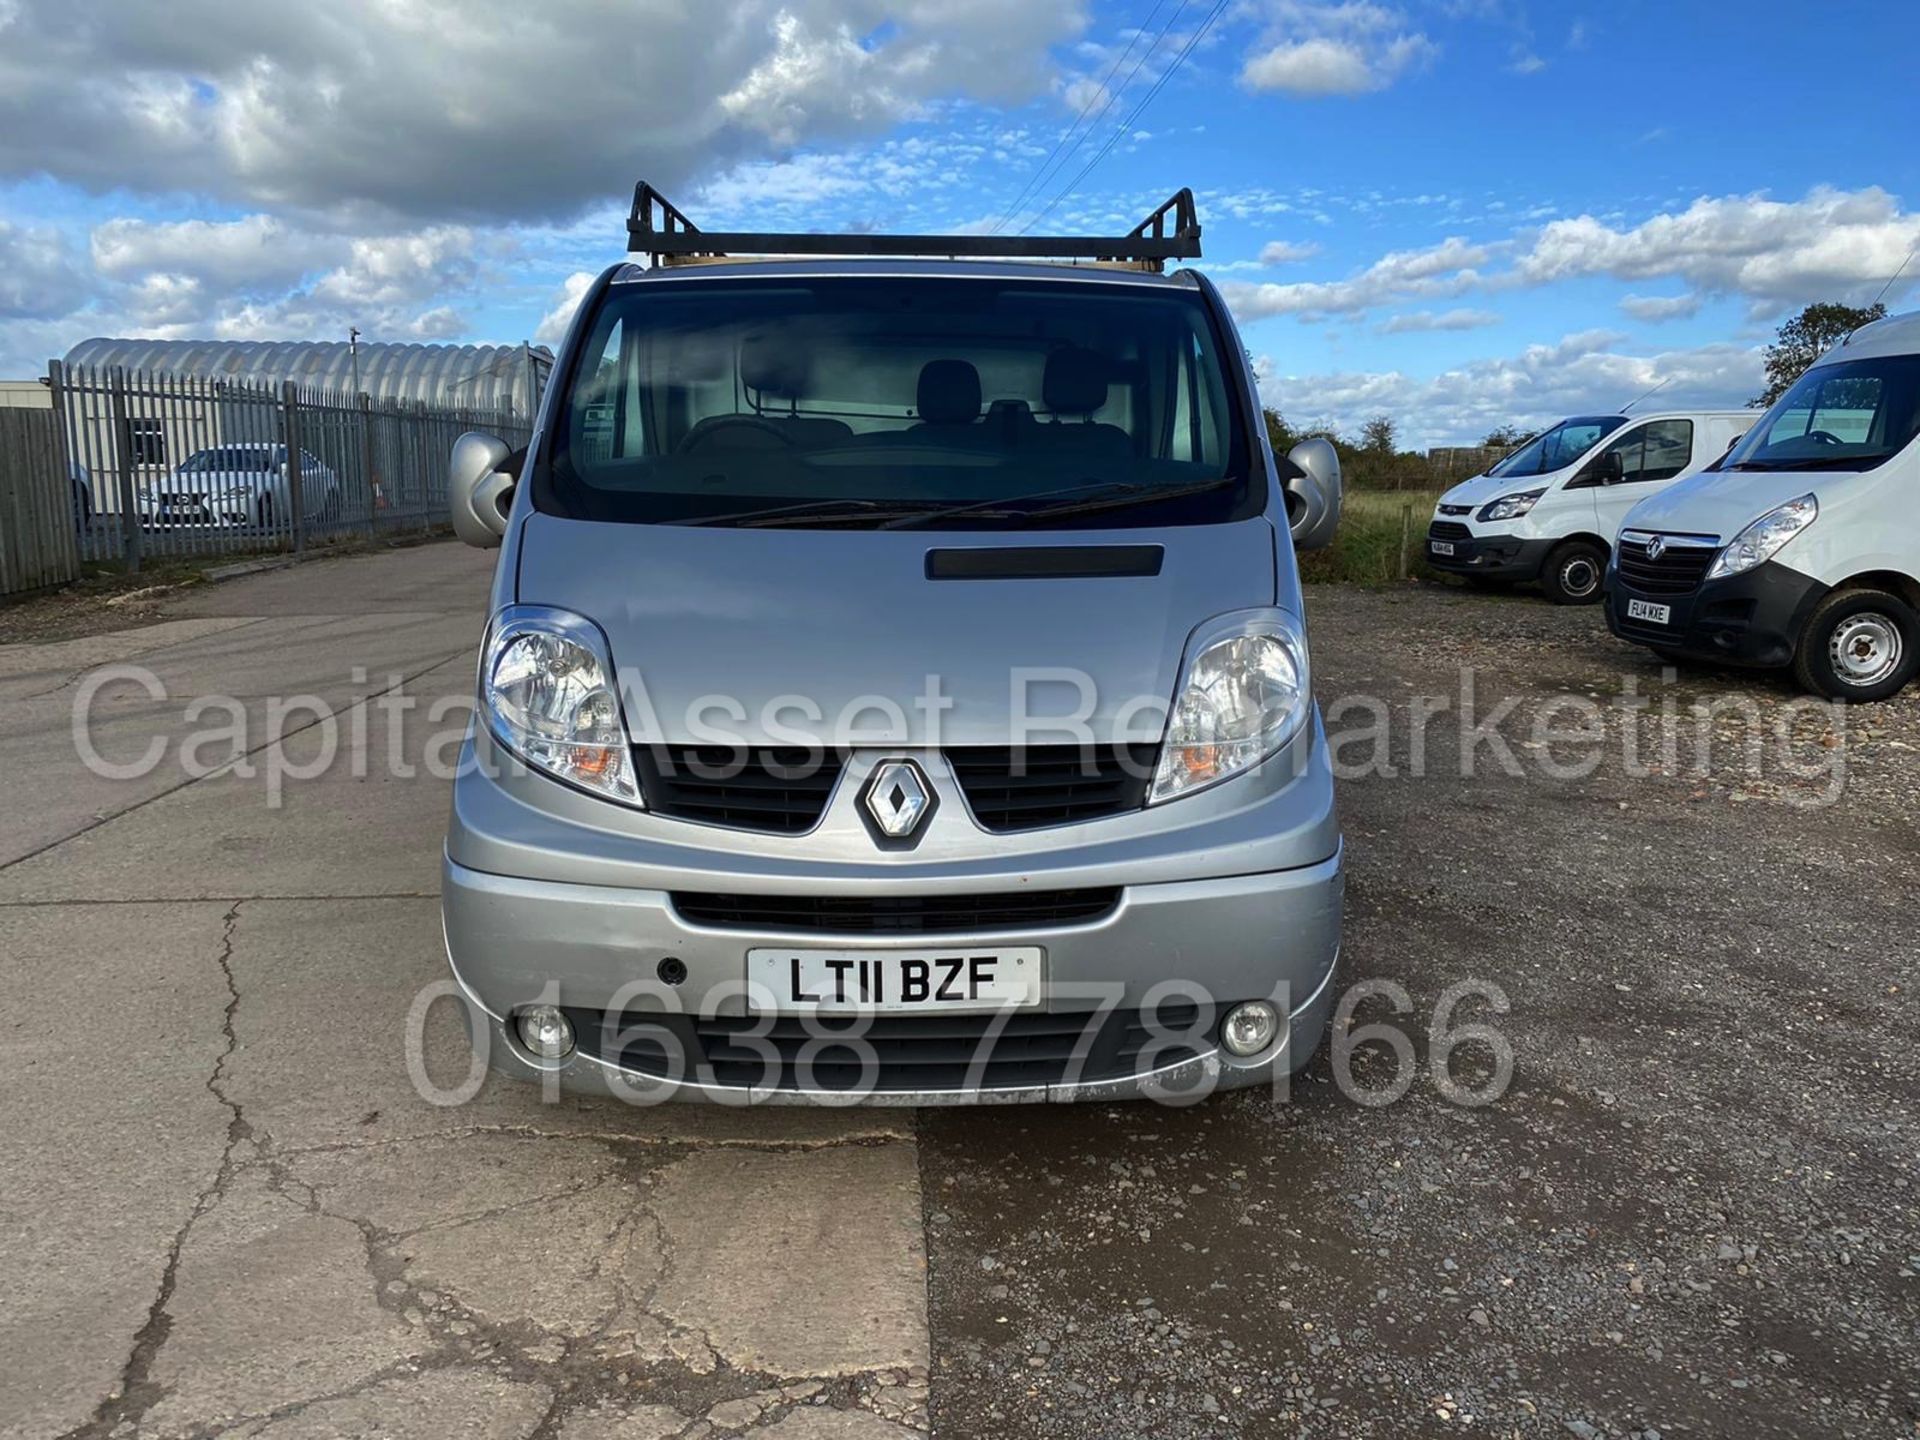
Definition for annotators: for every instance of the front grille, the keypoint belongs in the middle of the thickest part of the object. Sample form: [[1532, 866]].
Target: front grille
[[1448, 530], [1678, 571], [901, 1052], [779, 791], [897, 914], [1455, 509], [1011, 788]]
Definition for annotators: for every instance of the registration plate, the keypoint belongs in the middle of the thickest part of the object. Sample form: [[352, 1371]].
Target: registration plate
[[1647, 610], [1441, 547], [890, 981]]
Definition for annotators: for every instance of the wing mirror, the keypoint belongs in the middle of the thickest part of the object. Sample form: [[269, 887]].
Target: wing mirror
[[1313, 496], [479, 489]]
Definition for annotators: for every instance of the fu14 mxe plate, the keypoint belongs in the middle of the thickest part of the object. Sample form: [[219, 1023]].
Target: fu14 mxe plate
[[1647, 610], [959, 978]]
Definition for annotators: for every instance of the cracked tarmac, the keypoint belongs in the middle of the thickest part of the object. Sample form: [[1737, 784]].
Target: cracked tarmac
[[232, 1213], [228, 1210]]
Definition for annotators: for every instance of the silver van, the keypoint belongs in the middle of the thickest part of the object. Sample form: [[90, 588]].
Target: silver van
[[896, 688]]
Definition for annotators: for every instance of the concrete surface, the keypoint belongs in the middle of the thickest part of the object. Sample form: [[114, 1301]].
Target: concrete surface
[[228, 1209]]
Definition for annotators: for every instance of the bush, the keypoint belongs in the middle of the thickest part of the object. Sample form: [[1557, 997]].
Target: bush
[[1367, 547]]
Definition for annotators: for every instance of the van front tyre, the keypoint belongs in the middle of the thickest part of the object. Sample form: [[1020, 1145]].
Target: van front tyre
[[1573, 573], [1859, 646]]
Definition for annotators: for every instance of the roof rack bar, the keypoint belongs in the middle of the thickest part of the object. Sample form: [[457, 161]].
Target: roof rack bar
[[1171, 232]]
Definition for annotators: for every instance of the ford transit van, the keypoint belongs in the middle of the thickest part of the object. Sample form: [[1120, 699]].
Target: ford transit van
[[1549, 510]]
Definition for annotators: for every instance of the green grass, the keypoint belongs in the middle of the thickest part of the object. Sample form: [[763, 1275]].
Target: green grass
[[1367, 548]]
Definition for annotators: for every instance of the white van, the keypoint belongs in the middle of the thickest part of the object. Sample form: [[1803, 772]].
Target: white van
[[1802, 546], [1549, 510]]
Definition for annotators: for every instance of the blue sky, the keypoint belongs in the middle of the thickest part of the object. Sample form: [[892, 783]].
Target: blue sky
[[1460, 214]]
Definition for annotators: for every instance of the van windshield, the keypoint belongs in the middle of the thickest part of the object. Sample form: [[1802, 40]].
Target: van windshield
[[1559, 447], [1847, 416], [968, 403]]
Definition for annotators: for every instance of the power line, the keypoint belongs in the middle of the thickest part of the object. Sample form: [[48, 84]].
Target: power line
[[1106, 89], [1113, 96], [1126, 125]]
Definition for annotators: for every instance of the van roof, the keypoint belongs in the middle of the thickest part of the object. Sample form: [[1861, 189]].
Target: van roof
[[1895, 335]]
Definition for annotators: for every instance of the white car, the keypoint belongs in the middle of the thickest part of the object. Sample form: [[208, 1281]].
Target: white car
[[242, 484], [1550, 510], [1802, 547]]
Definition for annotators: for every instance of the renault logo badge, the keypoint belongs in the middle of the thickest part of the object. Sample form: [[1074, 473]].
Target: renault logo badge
[[897, 799]]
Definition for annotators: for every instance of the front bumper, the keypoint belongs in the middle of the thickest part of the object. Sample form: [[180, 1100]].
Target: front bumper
[[1494, 557], [598, 951], [1751, 619]]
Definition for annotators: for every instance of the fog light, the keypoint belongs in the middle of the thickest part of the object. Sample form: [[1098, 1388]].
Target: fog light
[[1250, 1028], [545, 1031]]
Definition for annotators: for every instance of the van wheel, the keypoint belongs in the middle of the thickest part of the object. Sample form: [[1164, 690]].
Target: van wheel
[[1573, 573], [1859, 646]]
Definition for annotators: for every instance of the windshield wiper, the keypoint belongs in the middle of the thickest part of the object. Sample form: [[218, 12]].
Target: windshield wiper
[[1134, 495], [1098, 495], [1814, 462], [837, 509]]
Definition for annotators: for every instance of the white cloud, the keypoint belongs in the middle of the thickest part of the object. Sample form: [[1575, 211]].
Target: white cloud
[[1581, 372], [1776, 255], [1527, 63], [1287, 252], [553, 325], [486, 109], [1446, 269], [38, 274], [1655, 308], [1410, 321], [1315, 50], [254, 250], [1831, 245]]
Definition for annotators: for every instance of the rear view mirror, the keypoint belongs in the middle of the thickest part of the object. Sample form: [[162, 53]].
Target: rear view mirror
[[1313, 496], [479, 491]]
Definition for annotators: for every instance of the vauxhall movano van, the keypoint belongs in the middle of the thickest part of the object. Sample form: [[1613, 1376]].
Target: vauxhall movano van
[[896, 686], [1801, 548], [1549, 510]]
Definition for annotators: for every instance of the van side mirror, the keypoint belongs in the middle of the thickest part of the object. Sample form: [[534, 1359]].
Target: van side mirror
[[1313, 496], [479, 490]]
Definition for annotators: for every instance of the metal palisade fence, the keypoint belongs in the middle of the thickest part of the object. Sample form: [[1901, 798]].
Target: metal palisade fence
[[165, 465]]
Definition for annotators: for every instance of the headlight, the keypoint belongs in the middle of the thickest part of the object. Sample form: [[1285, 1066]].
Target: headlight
[[546, 688], [1510, 507], [237, 492], [1244, 692], [1761, 540]]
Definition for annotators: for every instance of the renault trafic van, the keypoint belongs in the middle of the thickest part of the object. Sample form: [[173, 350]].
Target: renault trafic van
[[896, 687], [1549, 510], [1802, 547]]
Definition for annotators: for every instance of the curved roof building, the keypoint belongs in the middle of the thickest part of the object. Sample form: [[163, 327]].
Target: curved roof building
[[479, 376]]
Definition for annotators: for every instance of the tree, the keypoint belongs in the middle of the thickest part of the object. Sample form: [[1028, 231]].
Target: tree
[[1507, 437], [1282, 435], [1377, 436], [1804, 339]]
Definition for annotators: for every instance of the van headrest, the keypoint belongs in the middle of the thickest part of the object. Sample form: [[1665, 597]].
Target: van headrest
[[948, 393], [776, 364], [1076, 380]]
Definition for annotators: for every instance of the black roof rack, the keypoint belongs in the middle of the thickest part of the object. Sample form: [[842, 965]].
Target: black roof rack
[[658, 228]]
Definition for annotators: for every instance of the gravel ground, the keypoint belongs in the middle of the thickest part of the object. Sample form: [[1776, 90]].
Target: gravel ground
[[1694, 1210]]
